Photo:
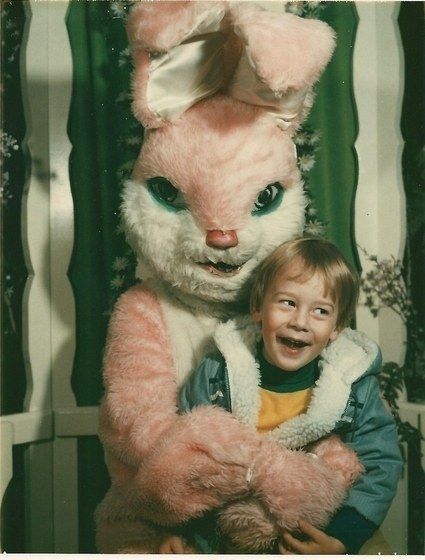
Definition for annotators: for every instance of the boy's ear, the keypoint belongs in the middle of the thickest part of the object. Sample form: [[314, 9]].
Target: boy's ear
[[334, 334], [256, 316]]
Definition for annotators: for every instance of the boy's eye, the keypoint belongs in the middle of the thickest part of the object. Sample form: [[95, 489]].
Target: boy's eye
[[287, 302], [166, 193], [321, 311], [268, 199]]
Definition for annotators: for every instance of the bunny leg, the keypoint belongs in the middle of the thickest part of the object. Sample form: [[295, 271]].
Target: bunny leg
[[247, 527]]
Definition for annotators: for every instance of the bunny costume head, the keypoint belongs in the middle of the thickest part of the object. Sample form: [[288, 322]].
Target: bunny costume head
[[221, 88]]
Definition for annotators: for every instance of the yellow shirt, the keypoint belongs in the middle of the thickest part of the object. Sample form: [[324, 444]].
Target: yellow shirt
[[279, 407], [283, 394]]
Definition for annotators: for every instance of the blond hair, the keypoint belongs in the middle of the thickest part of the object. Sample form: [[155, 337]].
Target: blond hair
[[308, 256]]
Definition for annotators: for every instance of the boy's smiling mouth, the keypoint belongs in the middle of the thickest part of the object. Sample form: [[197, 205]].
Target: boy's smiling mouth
[[292, 343]]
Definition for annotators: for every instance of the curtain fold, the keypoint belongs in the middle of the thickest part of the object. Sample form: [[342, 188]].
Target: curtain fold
[[14, 272], [333, 179], [102, 266]]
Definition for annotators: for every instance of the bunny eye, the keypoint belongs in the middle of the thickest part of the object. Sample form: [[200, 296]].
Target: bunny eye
[[268, 199], [166, 193]]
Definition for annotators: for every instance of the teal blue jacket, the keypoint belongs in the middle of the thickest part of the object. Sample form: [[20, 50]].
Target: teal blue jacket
[[345, 401]]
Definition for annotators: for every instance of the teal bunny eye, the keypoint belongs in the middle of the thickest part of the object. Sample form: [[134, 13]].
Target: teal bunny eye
[[166, 193], [268, 199]]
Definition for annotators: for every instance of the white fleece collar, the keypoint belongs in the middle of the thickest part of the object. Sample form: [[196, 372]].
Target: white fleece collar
[[344, 361]]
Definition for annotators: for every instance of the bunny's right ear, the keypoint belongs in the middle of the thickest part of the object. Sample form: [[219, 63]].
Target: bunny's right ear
[[283, 56], [177, 49]]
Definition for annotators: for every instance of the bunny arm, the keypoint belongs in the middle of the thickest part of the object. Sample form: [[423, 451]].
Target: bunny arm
[[168, 468], [248, 525]]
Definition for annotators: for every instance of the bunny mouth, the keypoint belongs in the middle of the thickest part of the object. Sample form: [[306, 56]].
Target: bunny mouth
[[221, 268]]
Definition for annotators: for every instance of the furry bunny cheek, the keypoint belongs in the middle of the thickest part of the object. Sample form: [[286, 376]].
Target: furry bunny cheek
[[171, 246]]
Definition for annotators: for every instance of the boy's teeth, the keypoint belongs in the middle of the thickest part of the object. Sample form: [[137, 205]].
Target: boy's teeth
[[293, 343]]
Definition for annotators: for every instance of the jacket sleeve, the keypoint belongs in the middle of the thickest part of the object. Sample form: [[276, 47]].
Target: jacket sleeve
[[376, 443]]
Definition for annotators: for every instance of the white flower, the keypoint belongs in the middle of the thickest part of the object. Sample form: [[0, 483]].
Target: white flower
[[124, 57], [7, 143], [295, 8], [125, 168], [133, 141], [9, 292], [118, 9], [123, 96], [306, 162], [120, 263], [301, 139], [314, 138], [117, 282], [315, 228]]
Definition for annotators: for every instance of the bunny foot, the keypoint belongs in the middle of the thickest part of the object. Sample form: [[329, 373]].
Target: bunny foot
[[247, 527]]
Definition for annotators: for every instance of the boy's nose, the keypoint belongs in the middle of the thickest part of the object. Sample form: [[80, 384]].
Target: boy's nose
[[221, 239], [299, 321]]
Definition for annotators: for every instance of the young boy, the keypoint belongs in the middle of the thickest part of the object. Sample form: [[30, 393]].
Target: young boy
[[310, 378]]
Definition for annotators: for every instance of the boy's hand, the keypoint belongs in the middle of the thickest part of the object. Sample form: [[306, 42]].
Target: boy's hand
[[175, 545], [316, 542]]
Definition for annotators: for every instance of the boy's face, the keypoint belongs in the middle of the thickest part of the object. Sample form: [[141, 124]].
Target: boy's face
[[297, 320]]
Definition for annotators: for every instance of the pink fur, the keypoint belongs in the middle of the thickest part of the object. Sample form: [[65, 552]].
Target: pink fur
[[217, 136], [339, 457], [160, 25], [254, 526], [288, 52], [247, 526], [139, 87]]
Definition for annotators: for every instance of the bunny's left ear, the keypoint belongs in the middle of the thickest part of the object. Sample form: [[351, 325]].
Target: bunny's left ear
[[177, 48], [283, 57]]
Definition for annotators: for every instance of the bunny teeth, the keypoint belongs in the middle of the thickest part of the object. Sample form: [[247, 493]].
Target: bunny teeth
[[221, 268]]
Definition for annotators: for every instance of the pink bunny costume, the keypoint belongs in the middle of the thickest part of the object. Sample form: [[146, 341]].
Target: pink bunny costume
[[221, 87]]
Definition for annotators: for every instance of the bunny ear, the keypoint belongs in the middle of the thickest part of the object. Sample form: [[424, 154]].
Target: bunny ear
[[282, 59], [177, 50], [184, 50]]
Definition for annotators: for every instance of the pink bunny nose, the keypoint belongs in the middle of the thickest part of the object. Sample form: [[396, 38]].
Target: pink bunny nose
[[221, 239]]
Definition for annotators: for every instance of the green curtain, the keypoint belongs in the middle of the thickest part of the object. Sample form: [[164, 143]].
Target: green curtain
[[412, 31], [333, 178], [104, 137], [13, 271], [106, 140]]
